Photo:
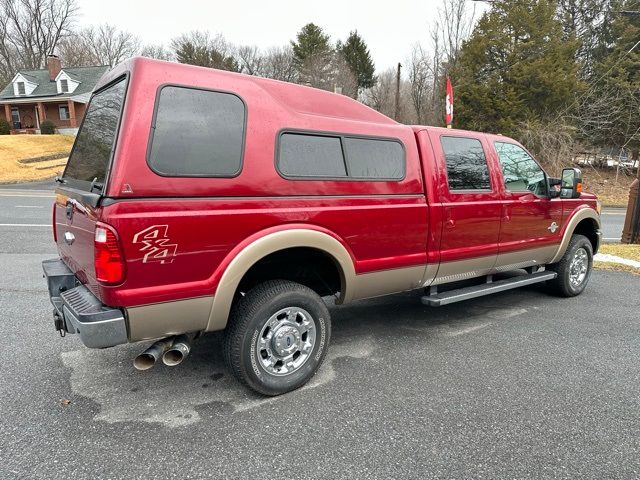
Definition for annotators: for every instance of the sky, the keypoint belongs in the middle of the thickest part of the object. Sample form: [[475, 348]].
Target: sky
[[390, 28]]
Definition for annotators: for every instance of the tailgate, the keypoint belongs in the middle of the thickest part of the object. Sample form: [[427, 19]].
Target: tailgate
[[75, 231], [84, 179]]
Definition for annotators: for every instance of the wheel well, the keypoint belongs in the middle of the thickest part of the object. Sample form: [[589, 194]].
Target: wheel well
[[308, 266], [588, 228]]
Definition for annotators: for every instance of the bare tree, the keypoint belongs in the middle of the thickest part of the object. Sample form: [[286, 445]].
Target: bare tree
[[30, 30], [251, 59], [455, 24], [380, 97], [420, 78], [159, 52], [341, 78], [279, 64], [73, 52], [110, 46]]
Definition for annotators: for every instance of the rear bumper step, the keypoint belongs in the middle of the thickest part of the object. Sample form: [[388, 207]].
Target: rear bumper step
[[467, 293], [77, 310]]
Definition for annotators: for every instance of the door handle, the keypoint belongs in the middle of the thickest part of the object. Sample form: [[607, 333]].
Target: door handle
[[449, 221], [506, 215]]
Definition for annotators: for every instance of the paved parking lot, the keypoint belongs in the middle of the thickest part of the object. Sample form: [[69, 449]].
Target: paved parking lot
[[518, 385]]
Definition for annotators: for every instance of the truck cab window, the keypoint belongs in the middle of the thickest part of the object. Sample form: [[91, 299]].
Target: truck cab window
[[466, 164], [521, 172]]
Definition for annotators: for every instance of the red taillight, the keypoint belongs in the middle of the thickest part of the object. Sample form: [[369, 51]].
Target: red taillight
[[53, 220], [109, 261]]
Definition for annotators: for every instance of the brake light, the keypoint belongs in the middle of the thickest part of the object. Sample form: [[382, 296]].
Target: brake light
[[53, 221], [109, 261]]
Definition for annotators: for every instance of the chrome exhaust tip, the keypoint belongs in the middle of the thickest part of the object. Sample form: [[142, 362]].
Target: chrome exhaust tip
[[150, 356], [178, 351]]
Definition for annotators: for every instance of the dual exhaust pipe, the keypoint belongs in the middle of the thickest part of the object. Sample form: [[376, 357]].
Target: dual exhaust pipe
[[172, 350]]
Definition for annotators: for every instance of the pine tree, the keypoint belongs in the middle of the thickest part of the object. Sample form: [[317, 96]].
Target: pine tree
[[515, 67], [312, 53], [356, 54], [617, 84], [589, 22], [198, 48]]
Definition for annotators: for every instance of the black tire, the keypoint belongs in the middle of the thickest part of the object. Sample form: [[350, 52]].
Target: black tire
[[563, 285], [248, 319]]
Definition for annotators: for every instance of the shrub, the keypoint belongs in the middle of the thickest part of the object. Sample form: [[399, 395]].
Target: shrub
[[47, 128], [5, 128]]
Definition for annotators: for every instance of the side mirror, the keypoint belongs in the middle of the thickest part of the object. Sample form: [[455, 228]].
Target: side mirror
[[554, 187], [571, 183]]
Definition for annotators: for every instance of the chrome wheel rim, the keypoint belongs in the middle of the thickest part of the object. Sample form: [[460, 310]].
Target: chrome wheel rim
[[286, 341], [578, 267]]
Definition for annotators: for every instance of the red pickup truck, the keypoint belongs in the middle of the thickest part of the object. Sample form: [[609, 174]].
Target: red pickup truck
[[197, 200]]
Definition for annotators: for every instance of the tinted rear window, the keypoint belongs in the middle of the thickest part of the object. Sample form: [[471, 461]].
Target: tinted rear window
[[371, 158], [94, 144], [305, 155], [311, 156], [466, 164], [197, 133]]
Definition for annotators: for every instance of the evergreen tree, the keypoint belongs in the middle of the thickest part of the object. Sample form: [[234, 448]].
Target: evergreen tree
[[312, 55], [613, 101], [588, 21], [356, 54], [198, 48], [515, 67]]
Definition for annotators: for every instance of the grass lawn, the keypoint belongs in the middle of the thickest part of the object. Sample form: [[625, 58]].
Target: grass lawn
[[17, 148], [631, 252]]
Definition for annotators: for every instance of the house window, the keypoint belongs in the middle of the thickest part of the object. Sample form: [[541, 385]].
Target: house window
[[64, 85], [21, 90], [15, 115], [64, 112]]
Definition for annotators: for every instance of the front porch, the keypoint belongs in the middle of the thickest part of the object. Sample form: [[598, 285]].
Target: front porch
[[26, 118]]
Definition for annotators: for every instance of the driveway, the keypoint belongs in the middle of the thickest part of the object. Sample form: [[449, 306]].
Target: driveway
[[520, 384]]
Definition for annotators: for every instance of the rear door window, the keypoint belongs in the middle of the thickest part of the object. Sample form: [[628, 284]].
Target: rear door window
[[197, 133], [466, 162], [93, 148]]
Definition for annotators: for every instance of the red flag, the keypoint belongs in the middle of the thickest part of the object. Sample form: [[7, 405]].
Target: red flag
[[449, 103]]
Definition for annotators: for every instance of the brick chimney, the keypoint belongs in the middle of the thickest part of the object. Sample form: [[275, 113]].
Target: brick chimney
[[54, 66]]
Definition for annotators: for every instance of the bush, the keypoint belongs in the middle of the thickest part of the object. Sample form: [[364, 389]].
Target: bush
[[5, 128], [47, 128]]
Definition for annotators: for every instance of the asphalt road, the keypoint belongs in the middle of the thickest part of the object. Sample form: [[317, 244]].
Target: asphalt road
[[517, 385]]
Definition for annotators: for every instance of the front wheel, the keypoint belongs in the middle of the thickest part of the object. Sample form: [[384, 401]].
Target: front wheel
[[277, 337], [574, 269]]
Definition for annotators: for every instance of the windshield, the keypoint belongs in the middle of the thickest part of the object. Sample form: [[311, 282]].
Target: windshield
[[91, 154]]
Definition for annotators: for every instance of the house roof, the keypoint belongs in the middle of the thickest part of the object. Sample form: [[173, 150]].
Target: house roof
[[86, 76]]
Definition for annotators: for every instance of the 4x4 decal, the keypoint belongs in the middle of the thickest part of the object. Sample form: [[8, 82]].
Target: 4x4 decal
[[155, 244]]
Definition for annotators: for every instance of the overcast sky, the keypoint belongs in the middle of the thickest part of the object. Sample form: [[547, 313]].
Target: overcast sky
[[389, 28]]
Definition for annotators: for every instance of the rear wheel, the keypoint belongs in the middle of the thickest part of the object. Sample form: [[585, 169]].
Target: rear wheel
[[277, 337], [574, 269]]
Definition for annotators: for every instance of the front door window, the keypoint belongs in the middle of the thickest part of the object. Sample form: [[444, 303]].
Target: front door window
[[521, 172]]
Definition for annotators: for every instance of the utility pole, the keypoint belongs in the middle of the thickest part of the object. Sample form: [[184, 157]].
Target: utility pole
[[397, 112]]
